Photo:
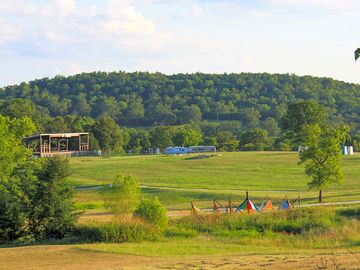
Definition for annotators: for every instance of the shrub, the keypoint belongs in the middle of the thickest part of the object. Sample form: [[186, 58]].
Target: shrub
[[116, 231], [123, 196], [152, 211]]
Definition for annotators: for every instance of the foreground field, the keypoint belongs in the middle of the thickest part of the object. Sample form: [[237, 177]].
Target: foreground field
[[202, 254], [177, 180]]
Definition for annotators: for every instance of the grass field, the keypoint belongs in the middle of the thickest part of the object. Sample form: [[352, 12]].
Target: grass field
[[177, 180]]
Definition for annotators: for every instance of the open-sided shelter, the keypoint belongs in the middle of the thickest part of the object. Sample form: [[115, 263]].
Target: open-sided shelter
[[51, 144]]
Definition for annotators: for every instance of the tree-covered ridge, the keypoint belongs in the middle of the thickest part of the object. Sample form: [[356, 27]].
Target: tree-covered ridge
[[142, 99]]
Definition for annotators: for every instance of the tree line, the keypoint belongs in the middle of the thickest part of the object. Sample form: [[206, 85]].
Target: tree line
[[145, 99], [136, 111]]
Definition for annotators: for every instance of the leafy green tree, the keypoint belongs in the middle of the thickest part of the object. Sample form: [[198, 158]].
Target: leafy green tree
[[187, 137], [108, 134], [210, 141], [17, 180], [152, 211], [227, 141], [35, 197], [191, 114], [139, 140], [322, 155], [52, 214], [123, 196], [18, 108], [254, 139], [356, 142], [81, 106], [162, 137], [135, 110], [163, 115], [301, 114], [271, 126], [251, 117]]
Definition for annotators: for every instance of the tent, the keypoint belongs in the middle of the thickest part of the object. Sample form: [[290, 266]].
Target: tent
[[286, 205], [194, 209], [230, 208], [266, 205], [248, 205], [217, 206]]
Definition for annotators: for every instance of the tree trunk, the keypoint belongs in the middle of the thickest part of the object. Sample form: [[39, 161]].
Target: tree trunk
[[320, 196]]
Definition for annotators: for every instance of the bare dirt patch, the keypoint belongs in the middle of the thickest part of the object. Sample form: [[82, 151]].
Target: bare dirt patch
[[68, 257]]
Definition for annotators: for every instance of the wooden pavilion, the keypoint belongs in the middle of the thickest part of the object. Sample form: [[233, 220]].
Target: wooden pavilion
[[45, 145]]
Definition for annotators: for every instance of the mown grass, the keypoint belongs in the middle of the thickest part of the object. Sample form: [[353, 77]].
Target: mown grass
[[230, 171], [176, 180]]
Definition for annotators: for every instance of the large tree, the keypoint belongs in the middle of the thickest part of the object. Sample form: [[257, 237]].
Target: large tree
[[108, 134], [187, 137], [35, 197], [322, 155], [299, 115]]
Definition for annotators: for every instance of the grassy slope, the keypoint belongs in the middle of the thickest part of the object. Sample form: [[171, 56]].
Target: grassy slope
[[176, 180]]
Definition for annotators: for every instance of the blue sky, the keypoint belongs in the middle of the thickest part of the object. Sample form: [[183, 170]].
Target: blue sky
[[43, 38]]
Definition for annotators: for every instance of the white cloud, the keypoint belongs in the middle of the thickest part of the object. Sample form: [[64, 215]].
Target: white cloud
[[196, 10], [60, 24], [123, 17], [70, 36], [9, 33]]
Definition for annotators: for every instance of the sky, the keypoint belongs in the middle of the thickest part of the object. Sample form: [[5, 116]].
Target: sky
[[43, 38]]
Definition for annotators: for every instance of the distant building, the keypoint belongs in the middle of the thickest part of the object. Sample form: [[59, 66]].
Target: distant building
[[201, 149], [176, 150], [347, 150], [191, 149], [52, 144]]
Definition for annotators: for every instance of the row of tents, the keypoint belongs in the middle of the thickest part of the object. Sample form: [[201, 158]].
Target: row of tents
[[248, 206]]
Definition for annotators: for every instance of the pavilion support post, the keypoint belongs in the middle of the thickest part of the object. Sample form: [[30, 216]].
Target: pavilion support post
[[41, 145]]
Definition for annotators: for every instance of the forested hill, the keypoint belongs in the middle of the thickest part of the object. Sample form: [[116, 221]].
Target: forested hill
[[144, 99]]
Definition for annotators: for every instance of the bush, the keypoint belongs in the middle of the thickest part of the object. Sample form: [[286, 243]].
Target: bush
[[123, 196], [153, 212], [116, 231]]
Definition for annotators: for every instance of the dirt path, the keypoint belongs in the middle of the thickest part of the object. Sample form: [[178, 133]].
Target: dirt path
[[67, 257]]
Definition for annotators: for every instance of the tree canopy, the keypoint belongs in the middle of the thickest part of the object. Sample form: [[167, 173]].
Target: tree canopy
[[35, 197], [322, 155], [133, 112]]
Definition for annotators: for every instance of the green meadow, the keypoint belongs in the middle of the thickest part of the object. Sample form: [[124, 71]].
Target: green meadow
[[177, 180]]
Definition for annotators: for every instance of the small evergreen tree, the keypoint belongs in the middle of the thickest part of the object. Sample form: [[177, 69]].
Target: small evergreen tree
[[52, 215]]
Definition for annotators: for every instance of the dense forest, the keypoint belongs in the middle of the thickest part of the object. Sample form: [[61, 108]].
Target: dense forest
[[230, 108]]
